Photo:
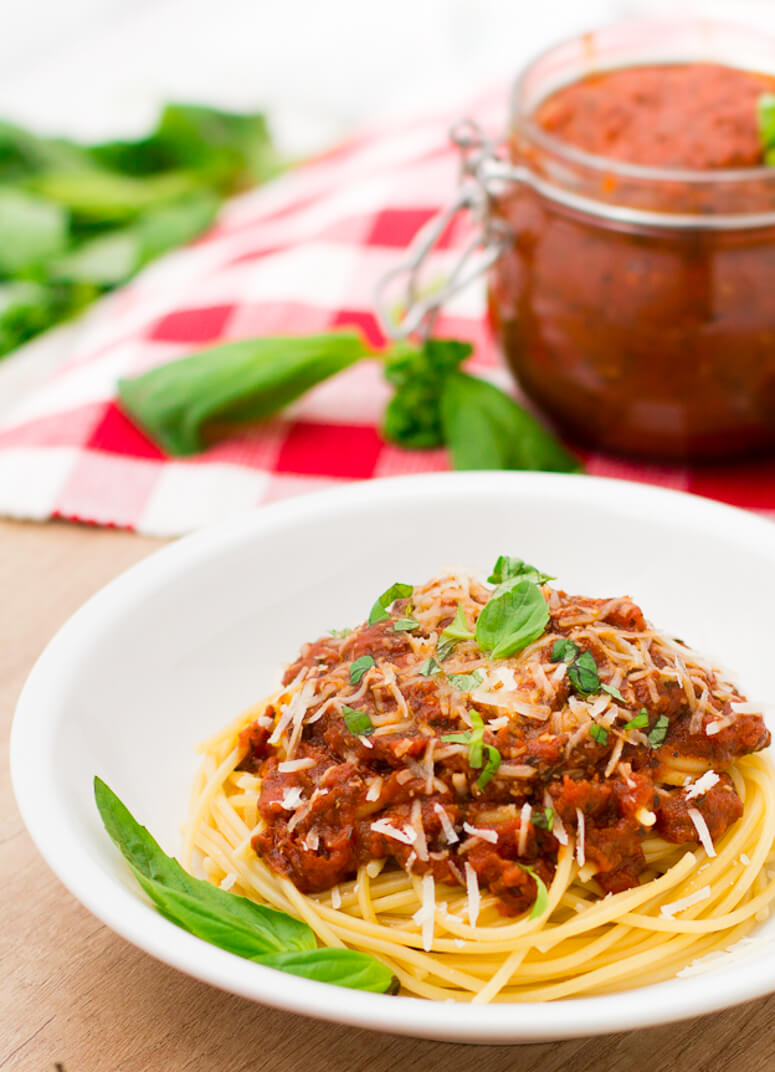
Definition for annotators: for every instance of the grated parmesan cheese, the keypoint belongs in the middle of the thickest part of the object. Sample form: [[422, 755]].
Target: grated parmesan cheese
[[290, 766], [524, 827], [291, 798], [472, 891], [407, 836], [336, 897], [480, 832], [699, 824], [702, 785], [450, 834], [670, 910], [581, 858]]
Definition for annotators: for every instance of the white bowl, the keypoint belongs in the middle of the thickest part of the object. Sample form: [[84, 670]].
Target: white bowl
[[174, 648]]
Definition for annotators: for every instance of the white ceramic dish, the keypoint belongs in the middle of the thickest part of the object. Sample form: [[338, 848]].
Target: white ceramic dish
[[175, 647]]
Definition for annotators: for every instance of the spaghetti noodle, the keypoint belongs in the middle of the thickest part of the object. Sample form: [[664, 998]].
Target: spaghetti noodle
[[581, 815]]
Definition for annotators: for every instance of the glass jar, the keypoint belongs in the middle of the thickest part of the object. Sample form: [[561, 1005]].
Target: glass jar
[[636, 305]]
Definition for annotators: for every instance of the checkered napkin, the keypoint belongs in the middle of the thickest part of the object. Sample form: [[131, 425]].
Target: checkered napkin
[[298, 256]]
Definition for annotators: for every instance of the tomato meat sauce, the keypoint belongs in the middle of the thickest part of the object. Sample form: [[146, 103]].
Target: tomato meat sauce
[[634, 332], [386, 744]]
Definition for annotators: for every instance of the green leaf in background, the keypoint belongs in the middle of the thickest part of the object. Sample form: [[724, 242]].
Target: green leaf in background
[[23, 153], [108, 197], [485, 429], [231, 384], [31, 230], [765, 118], [512, 619], [112, 258], [412, 418]]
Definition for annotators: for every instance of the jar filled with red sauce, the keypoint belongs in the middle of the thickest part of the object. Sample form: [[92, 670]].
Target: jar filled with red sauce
[[636, 300]]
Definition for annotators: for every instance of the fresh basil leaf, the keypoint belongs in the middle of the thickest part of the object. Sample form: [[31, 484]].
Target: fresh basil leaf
[[598, 733], [465, 682], [512, 619], [656, 736], [339, 633], [339, 967], [163, 879], [542, 894], [765, 120], [457, 738], [490, 767], [31, 230], [412, 418], [612, 692], [359, 668], [485, 429], [405, 625], [390, 595], [507, 569], [639, 722], [476, 745], [583, 674], [429, 668], [543, 818], [451, 634], [564, 651], [232, 383], [108, 197], [358, 722]]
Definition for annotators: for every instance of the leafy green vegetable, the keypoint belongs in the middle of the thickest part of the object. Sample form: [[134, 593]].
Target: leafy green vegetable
[[639, 722], [583, 674], [233, 923], [512, 619], [340, 967], [428, 668], [765, 117], [490, 767], [543, 818], [474, 738], [451, 634], [564, 651], [612, 691], [358, 722], [359, 668], [598, 733], [265, 929], [31, 230], [465, 682], [412, 418], [658, 731], [485, 429], [405, 625], [107, 197], [389, 596], [232, 383], [508, 569], [542, 894]]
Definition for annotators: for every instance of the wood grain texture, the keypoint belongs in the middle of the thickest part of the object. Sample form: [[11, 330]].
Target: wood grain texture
[[73, 993]]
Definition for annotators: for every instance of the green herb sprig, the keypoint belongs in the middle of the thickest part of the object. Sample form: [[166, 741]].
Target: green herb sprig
[[185, 403], [233, 923], [379, 612], [765, 121], [453, 633], [474, 738]]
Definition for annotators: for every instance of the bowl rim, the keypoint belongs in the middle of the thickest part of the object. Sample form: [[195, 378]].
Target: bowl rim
[[65, 846]]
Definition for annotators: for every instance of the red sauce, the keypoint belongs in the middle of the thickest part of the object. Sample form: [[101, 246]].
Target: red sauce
[[657, 341], [326, 831]]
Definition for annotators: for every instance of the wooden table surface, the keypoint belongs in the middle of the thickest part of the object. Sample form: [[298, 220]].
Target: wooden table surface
[[75, 997]]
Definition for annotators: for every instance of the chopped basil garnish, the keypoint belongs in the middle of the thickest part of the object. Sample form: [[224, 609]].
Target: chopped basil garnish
[[358, 722], [640, 721], [765, 116], [405, 625], [564, 651], [583, 674], [429, 668], [359, 668], [598, 733], [456, 630], [507, 569], [512, 619], [474, 738], [490, 767], [612, 692], [396, 591], [339, 633], [465, 682], [542, 894], [543, 818], [659, 731]]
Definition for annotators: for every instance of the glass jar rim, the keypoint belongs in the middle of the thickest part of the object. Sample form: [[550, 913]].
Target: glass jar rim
[[524, 118]]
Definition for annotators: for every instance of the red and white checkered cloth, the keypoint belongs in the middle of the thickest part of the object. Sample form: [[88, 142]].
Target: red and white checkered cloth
[[301, 255]]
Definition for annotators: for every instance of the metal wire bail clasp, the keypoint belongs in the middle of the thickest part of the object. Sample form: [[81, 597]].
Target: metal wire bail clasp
[[482, 174]]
